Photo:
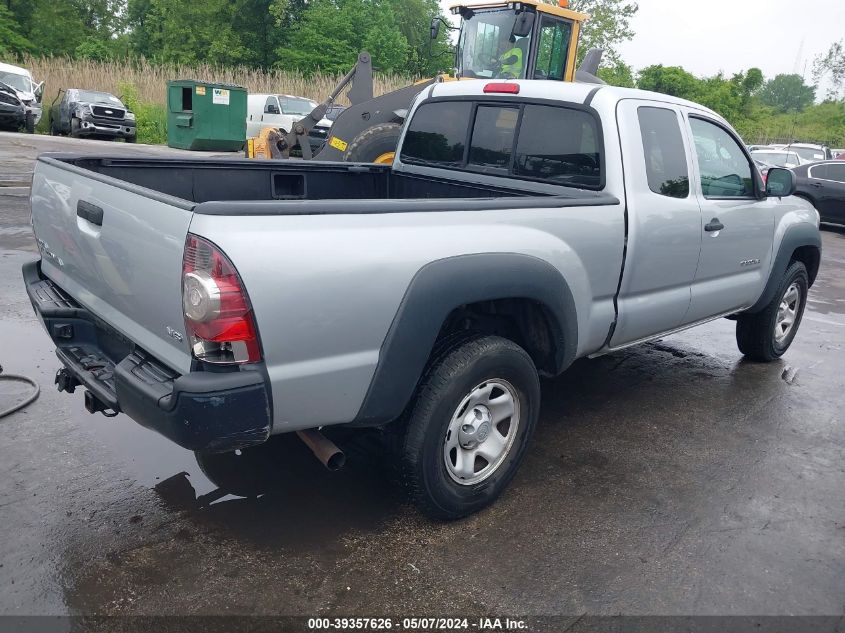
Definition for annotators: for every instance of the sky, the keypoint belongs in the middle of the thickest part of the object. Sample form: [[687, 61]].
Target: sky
[[706, 37]]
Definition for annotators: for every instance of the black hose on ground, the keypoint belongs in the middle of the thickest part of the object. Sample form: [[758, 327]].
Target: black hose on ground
[[26, 401]]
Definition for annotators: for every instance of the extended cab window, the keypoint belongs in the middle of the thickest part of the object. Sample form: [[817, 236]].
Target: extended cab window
[[437, 133], [559, 145], [725, 170], [554, 144], [663, 150]]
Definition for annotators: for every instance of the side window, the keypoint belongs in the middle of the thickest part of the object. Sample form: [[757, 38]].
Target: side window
[[552, 49], [560, 146], [271, 106], [818, 171], [437, 133], [725, 171], [492, 136], [663, 149], [836, 172]]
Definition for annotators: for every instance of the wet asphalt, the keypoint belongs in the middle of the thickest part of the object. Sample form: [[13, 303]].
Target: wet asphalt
[[671, 478]]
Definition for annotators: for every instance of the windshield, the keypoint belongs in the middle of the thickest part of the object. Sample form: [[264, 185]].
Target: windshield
[[89, 96], [781, 159], [808, 153], [296, 105], [488, 48], [21, 83]]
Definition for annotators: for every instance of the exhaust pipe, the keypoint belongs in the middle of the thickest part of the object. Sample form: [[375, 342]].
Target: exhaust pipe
[[323, 448]]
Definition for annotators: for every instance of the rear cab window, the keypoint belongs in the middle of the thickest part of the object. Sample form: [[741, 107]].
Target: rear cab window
[[554, 144]]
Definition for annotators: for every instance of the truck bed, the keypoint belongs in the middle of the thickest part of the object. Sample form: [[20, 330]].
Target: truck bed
[[211, 186]]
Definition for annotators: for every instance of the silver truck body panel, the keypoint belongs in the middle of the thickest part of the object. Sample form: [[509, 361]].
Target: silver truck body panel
[[322, 330], [127, 271]]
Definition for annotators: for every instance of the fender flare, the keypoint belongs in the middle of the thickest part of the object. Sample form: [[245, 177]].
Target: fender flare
[[795, 237], [434, 292]]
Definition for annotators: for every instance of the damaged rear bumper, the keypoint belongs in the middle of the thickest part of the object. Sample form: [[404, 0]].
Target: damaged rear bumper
[[200, 410]]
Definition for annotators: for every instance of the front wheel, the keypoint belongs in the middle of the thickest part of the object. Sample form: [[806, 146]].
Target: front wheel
[[469, 427], [766, 335], [74, 127], [29, 124]]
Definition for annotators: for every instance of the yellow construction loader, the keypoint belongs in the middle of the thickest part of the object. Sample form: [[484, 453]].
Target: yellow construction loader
[[497, 40]]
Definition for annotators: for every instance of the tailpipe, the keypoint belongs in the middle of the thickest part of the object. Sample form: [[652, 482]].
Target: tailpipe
[[324, 449]]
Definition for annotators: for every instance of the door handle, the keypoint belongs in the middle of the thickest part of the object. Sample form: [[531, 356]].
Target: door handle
[[90, 212], [817, 185], [714, 225]]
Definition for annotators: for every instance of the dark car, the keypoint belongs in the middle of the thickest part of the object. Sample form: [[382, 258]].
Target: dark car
[[764, 168], [12, 109], [823, 184], [80, 113]]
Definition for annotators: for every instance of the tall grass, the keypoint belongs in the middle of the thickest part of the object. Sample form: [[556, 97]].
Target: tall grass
[[150, 80]]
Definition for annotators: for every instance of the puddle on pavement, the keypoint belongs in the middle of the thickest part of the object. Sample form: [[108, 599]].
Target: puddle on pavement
[[270, 480]]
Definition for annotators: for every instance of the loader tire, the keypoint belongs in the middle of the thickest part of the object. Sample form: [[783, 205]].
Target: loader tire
[[375, 144]]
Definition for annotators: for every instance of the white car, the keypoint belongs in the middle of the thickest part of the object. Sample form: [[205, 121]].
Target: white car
[[278, 111], [779, 157], [29, 92], [809, 152]]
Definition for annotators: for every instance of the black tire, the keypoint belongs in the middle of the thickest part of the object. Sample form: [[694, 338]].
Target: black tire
[[53, 130], [29, 123], [130, 139], [756, 333], [373, 142], [74, 127], [449, 381]]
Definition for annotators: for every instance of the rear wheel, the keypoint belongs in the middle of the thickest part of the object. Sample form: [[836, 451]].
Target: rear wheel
[[374, 145], [469, 426], [766, 335]]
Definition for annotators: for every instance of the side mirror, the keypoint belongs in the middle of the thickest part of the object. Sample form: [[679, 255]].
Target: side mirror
[[38, 91], [271, 109], [434, 29], [780, 182], [522, 25]]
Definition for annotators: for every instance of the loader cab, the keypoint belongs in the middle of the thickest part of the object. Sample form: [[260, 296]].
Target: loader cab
[[517, 40]]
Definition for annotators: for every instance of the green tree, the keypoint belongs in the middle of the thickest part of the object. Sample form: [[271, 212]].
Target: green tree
[[787, 93], [330, 34], [619, 74], [831, 66], [609, 25], [670, 80], [93, 48], [11, 40]]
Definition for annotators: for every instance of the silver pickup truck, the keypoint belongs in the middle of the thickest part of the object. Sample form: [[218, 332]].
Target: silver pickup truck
[[522, 225]]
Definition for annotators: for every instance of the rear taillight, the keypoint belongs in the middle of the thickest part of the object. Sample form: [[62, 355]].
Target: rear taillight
[[218, 315]]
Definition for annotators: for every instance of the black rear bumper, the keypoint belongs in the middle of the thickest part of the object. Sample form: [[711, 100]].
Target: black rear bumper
[[200, 410]]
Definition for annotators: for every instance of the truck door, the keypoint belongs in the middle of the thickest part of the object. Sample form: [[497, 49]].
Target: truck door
[[737, 224], [664, 221]]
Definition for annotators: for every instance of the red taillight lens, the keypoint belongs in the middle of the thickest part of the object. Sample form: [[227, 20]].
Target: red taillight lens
[[509, 89], [218, 315]]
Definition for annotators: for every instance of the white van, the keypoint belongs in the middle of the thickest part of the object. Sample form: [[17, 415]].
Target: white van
[[279, 111], [30, 93]]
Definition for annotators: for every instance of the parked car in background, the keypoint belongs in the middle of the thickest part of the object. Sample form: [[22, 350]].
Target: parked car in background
[[823, 184], [79, 113], [278, 111], [810, 152], [27, 91], [838, 154], [12, 109], [778, 157], [754, 148]]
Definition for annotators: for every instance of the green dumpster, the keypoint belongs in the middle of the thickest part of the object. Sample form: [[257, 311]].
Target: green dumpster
[[206, 116]]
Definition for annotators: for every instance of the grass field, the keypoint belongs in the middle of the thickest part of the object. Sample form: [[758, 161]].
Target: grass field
[[151, 80]]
